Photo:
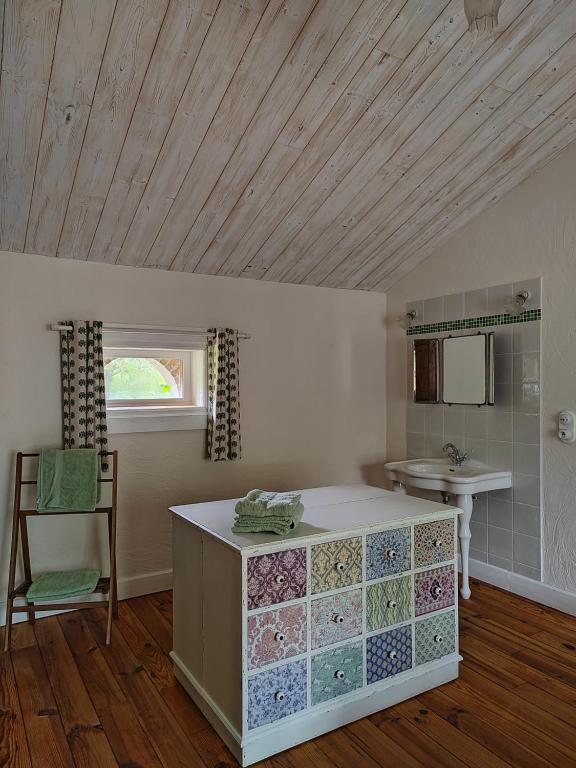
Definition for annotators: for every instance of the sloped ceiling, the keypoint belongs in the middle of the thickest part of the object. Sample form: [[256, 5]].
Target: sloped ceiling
[[325, 142]]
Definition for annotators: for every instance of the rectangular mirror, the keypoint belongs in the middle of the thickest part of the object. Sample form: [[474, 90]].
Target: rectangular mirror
[[426, 371], [468, 370]]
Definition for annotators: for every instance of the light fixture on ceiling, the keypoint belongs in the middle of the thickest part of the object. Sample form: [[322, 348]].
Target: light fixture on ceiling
[[482, 15], [407, 319], [516, 304]]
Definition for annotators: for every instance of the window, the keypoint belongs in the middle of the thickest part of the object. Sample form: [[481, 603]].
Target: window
[[154, 388]]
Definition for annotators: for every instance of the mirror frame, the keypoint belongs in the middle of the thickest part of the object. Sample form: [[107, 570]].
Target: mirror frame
[[435, 384], [488, 367]]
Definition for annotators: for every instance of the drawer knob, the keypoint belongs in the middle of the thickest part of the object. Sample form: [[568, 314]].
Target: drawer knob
[[337, 618], [339, 674], [437, 590], [392, 654], [279, 578], [340, 567], [438, 638], [392, 603], [279, 696], [437, 543], [279, 636], [391, 554]]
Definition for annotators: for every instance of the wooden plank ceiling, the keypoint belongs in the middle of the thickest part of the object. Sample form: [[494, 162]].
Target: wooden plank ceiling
[[325, 142]]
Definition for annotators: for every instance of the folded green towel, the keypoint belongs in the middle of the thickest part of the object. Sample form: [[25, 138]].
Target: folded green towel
[[280, 526], [62, 584], [267, 503], [68, 480]]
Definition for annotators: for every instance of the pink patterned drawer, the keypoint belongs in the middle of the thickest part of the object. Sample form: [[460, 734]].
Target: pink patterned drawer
[[336, 618], [434, 589], [276, 578], [276, 635]]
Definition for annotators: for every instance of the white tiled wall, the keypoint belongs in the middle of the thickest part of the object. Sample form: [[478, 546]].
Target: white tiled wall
[[505, 524]]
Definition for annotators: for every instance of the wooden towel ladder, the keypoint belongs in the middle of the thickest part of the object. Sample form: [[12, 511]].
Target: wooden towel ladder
[[106, 586]]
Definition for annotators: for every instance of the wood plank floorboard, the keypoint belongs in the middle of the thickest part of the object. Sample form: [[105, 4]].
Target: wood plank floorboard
[[67, 699]]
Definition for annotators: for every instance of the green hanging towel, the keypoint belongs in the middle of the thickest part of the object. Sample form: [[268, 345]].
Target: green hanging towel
[[61, 584], [68, 480]]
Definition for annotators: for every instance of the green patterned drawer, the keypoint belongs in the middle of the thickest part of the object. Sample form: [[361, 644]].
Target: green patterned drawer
[[388, 603], [337, 672], [435, 637], [336, 564]]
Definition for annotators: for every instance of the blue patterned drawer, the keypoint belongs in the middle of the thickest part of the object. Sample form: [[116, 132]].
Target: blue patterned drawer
[[336, 564], [435, 637], [276, 693], [387, 553], [434, 543], [337, 672], [336, 618], [388, 602], [434, 589], [388, 654]]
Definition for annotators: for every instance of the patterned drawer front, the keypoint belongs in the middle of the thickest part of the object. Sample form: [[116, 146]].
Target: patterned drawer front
[[433, 543], [434, 589], [276, 578], [276, 635], [336, 672], [336, 564], [435, 637], [388, 654], [336, 618], [387, 552], [389, 602], [277, 693]]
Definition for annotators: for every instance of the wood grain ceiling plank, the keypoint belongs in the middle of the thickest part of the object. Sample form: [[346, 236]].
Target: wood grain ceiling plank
[[538, 148], [177, 49], [426, 201], [224, 46], [282, 25], [82, 35], [30, 30], [299, 98], [134, 32], [354, 250], [437, 87], [315, 43], [223, 67], [429, 46], [239, 237]]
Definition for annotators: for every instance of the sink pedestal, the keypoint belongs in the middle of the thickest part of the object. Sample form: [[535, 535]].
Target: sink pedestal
[[464, 502]]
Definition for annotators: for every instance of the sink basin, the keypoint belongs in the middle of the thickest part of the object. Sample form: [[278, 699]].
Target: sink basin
[[441, 475]]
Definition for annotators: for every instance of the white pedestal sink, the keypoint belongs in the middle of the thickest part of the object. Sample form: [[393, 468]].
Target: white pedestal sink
[[461, 482]]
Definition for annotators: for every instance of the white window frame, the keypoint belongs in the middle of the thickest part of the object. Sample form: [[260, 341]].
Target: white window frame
[[159, 415]]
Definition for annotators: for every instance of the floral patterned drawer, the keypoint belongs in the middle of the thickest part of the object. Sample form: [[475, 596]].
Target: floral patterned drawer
[[276, 635], [435, 637], [276, 578], [387, 553], [388, 654], [336, 564], [276, 693], [434, 589], [388, 602], [336, 672], [433, 543], [336, 618]]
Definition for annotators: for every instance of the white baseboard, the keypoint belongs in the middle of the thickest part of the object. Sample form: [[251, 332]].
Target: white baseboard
[[520, 585], [131, 586]]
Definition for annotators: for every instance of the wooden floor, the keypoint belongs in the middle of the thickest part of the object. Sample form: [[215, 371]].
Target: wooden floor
[[68, 700]]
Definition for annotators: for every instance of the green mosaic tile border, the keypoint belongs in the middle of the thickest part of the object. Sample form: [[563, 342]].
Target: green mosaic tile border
[[476, 322]]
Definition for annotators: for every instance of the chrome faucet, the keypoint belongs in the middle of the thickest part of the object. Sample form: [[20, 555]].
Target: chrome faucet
[[456, 458]]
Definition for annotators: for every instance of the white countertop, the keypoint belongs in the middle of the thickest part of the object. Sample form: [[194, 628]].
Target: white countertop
[[333, 509]]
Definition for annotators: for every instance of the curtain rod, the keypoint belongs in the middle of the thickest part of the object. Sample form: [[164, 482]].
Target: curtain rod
[[146, 329]]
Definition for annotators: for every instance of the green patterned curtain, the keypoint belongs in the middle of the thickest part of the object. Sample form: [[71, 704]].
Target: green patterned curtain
[[83, 391], [223, 437]]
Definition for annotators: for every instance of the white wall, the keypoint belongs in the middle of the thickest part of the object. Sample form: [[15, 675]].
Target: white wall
[[312, 394], [531, 232]]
